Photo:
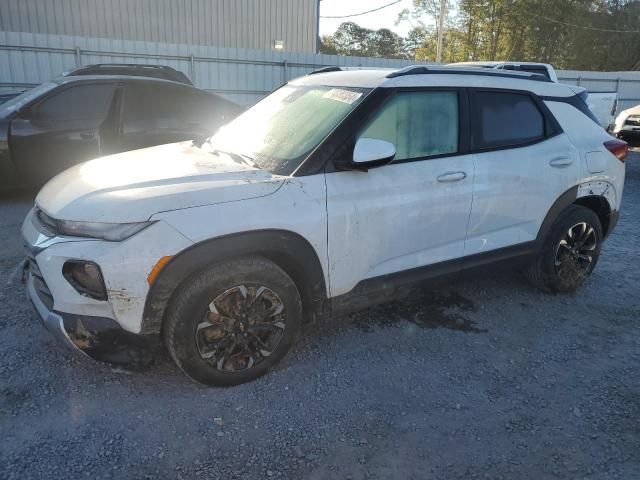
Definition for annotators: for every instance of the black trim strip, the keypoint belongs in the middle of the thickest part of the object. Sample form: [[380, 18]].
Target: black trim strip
[[384, 288]]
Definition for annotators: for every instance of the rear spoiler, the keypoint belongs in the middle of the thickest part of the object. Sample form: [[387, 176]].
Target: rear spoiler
[[581, 92]]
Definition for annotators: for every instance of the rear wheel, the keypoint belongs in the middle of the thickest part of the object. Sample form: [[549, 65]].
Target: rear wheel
[[230, 324], [569, 252]]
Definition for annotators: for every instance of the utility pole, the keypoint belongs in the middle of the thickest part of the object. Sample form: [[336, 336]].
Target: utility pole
[[440, 31]]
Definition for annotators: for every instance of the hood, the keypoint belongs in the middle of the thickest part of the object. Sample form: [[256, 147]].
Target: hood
[[132, 186], [631, 111]]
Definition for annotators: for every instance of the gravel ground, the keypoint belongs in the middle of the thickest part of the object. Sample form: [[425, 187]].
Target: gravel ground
[[489, 379]]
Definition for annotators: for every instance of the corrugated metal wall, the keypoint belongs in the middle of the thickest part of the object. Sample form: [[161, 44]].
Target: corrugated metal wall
[[27, 59], [241, 75], [223, 23]]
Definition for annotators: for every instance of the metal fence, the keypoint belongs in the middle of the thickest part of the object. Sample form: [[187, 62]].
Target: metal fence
[[27, 59], [626, 84], [241, 75]]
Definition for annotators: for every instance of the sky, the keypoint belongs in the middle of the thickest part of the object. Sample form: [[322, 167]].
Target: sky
[[384, 18]]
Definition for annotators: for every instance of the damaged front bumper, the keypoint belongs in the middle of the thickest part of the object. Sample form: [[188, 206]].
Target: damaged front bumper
[[53, 321], [96, 337]]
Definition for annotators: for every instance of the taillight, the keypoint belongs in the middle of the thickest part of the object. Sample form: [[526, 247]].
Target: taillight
[[618, 148]]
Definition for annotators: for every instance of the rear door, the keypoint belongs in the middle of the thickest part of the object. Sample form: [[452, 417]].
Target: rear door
[[523, 163], [413, 212], [67, 127]]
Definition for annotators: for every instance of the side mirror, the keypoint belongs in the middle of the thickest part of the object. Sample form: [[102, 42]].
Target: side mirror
[[371, 152]]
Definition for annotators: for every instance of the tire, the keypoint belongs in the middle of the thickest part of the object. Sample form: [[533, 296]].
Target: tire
[[569, 252], [232, 322]]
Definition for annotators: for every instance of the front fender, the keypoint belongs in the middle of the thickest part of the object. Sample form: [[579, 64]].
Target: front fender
[[289, 250]]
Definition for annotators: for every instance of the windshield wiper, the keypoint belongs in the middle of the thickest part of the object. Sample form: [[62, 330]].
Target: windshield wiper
[[236, 157]]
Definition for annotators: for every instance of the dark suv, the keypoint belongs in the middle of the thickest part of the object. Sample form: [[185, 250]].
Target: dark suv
[[75, 118]]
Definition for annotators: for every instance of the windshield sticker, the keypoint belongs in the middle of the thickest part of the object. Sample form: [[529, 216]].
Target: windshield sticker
[[344, 96]]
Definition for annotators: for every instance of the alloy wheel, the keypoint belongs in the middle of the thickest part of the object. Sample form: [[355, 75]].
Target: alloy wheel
[[241, 327], [576, 251]]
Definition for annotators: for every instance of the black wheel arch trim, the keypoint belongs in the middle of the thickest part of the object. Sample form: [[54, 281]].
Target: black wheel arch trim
[[562, 202], [568, 198], [289, 250]]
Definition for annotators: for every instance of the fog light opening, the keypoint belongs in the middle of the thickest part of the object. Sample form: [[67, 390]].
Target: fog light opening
[[86, 278]]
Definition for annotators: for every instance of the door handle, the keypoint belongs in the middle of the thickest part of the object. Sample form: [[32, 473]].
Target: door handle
[[452, 177], [561, 162]]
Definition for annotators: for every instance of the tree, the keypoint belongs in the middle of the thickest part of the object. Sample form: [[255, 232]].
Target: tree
[[429, 12], [570, 34], [354, 40]]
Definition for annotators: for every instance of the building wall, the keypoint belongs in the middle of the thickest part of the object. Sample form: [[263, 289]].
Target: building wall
[[253, 24]]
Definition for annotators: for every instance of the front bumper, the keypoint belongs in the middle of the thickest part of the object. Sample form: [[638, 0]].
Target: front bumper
[[106, 330], [98, 338], [124, 265], [53, 321], [629, 132]]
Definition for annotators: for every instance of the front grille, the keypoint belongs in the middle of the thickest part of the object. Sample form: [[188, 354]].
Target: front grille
[[40, 285], [44, 223]]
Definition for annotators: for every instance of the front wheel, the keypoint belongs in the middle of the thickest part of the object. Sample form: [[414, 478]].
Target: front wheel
[[569, 252], [231, 323]]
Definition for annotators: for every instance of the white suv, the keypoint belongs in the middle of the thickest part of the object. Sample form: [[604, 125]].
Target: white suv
[[332, 193]]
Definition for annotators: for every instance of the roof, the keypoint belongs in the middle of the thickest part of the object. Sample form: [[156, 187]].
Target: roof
[[440, 76]]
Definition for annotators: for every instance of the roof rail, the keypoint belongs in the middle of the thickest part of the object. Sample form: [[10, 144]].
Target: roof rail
[[451, 70], [163, 72], [326, 70]]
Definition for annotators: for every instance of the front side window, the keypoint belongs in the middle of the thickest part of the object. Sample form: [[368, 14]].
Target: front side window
[[278, 132], [506, 119], [78, 102], [419, 124], [17, 102]]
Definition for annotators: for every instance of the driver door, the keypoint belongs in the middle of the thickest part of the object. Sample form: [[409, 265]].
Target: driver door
[[68, 127], [413, 212]]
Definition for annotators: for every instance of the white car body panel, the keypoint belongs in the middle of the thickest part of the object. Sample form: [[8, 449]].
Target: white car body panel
[[132, 186], [298, 207], [588, 139], [395, 218], [515, 188], [125, 267]]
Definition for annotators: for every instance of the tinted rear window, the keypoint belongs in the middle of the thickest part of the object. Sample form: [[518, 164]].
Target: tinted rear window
[[506, 119]]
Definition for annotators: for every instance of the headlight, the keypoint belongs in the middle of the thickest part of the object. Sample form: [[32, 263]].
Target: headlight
[[112, 232]]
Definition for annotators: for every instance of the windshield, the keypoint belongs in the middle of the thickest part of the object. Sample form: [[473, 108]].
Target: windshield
[[278, 132], [15, 103]]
